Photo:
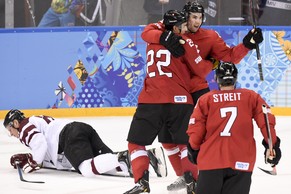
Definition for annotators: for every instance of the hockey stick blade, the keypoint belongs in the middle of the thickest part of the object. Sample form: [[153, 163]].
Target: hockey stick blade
[[73, 170], [271, 172], [21, 176]]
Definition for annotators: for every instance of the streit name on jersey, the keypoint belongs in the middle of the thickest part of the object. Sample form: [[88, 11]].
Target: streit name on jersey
[[224, 97]]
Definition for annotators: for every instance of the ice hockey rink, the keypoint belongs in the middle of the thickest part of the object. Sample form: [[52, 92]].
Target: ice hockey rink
[[113, 131]]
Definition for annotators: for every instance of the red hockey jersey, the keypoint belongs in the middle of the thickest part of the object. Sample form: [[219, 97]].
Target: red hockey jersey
[[221, 126], [208, 43], [168, 78]]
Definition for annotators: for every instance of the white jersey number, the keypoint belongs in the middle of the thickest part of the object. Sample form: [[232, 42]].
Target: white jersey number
[[233, 115], [159, 64]]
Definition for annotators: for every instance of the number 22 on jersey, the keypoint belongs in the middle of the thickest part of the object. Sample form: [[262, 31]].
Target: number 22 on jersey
[[150, 56]]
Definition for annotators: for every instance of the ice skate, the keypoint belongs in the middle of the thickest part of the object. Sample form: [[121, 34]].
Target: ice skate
[[125, 158], [177, 185], [157, 161], [190, 182], [142, 186]]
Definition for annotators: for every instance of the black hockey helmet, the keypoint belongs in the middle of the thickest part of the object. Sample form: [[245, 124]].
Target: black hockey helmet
[[12, 115], [194, 7], [174, 18], [226, 74]]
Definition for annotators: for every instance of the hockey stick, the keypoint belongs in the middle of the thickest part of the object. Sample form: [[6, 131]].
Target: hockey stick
[[73, 170], [257, 46], [271, 172], [21, 176], [270, 143], [31, 12]]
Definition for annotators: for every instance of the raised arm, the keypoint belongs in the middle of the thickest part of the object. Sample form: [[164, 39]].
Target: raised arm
[[223, 52], [155, 33], [152, 32]]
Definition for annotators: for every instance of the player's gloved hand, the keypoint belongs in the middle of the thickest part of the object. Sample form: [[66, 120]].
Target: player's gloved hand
[[24, 161], [173, 43], [272, 159], [192, 154], [215, 62], [253, 37], [258, 35], [20, 159]]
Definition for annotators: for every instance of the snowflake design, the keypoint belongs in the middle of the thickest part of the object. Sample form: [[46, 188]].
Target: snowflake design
[[270, 60]]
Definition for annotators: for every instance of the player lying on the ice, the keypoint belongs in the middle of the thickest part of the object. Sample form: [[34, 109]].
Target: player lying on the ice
[[63, 144]]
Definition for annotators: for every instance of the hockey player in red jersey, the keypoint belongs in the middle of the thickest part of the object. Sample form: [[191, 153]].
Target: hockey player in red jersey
[[210, 46], [208, 42], [63, 144], [165, 100], [221, 135]]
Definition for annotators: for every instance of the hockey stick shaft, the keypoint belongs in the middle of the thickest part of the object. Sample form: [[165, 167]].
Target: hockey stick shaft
[[270, 142], [31, 12], [21, 176], [257, 46], [260, 68]]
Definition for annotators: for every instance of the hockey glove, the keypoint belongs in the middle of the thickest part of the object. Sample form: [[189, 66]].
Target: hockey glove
[[215, 62], [253, 37], [173, 43], [192, 154], [20, 159], [258, 35], [25, 162], [273, 160]]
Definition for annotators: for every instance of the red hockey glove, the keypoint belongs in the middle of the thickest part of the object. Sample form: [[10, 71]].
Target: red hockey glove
[[20, 159], [25, 162], [272, 159], [192, 154], [173, 43]]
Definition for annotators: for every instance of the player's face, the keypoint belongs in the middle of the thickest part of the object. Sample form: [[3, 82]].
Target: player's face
[[182, 29], [194, 21], [13, 131]]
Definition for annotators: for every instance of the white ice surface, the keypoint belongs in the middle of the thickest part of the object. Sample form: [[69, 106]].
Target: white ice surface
[[113, 130]]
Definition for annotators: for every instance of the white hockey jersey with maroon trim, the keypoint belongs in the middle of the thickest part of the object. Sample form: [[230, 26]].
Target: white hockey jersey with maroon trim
[[41, 135]]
